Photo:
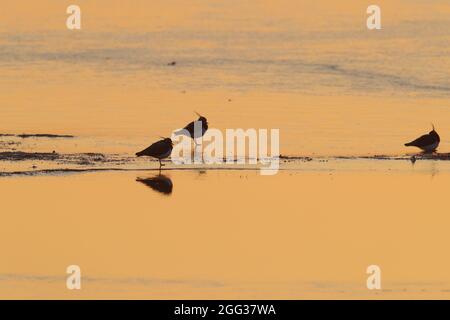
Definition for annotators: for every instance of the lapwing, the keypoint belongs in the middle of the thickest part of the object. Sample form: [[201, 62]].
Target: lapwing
[[159, 183], [195, 129], [428, 142], [159, 150]]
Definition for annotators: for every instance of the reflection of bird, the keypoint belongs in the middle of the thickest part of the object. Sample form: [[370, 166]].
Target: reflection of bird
[[159, 150], [428, 142], [159, 183], [201, 124]]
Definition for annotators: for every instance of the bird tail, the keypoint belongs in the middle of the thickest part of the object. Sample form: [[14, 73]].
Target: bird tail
[[140, 153], [409, 144]]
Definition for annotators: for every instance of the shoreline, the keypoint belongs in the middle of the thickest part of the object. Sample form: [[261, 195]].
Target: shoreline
[[298, 164]]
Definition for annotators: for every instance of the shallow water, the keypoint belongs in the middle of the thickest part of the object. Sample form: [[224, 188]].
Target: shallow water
[[227, 234], [308, 68], [344, 98]]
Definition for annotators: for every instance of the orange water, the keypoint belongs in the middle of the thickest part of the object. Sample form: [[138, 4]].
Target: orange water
[[308, 68]]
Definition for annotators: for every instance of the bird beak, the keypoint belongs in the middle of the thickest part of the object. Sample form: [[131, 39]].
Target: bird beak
[[197, 113], [433, 126]]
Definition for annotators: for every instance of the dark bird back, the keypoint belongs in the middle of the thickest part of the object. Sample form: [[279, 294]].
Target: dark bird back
[[427, 142], [160, 149], [202, 124]]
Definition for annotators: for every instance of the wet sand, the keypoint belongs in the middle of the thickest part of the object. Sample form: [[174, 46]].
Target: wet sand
[[229, 234]]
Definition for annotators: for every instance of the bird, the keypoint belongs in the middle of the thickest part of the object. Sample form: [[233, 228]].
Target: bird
[[428, 142], [159, 183], [159, 150], [189, 130]]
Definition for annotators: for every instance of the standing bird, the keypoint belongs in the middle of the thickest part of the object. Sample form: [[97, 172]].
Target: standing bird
[[159, 150], [428, 142], [195, 129]]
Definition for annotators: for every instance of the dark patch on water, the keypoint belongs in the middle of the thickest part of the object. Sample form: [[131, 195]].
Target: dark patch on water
[[43, 135], [295, 158], [57, 171], [74, 159], [433, 156], [37, 135], [419, 156], [9, 145], [22, 156]]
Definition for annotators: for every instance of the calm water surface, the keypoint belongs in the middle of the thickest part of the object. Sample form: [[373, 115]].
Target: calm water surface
[[331, 86], [336, 91], [226, 234]]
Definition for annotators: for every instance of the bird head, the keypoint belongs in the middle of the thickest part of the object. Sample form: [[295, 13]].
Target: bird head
[[434, 133], [201, 118], [432, 125], [167, 140]]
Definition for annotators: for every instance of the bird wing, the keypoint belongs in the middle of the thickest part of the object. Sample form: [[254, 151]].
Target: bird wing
[[155, 149], [190, 127], [424, 140]]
